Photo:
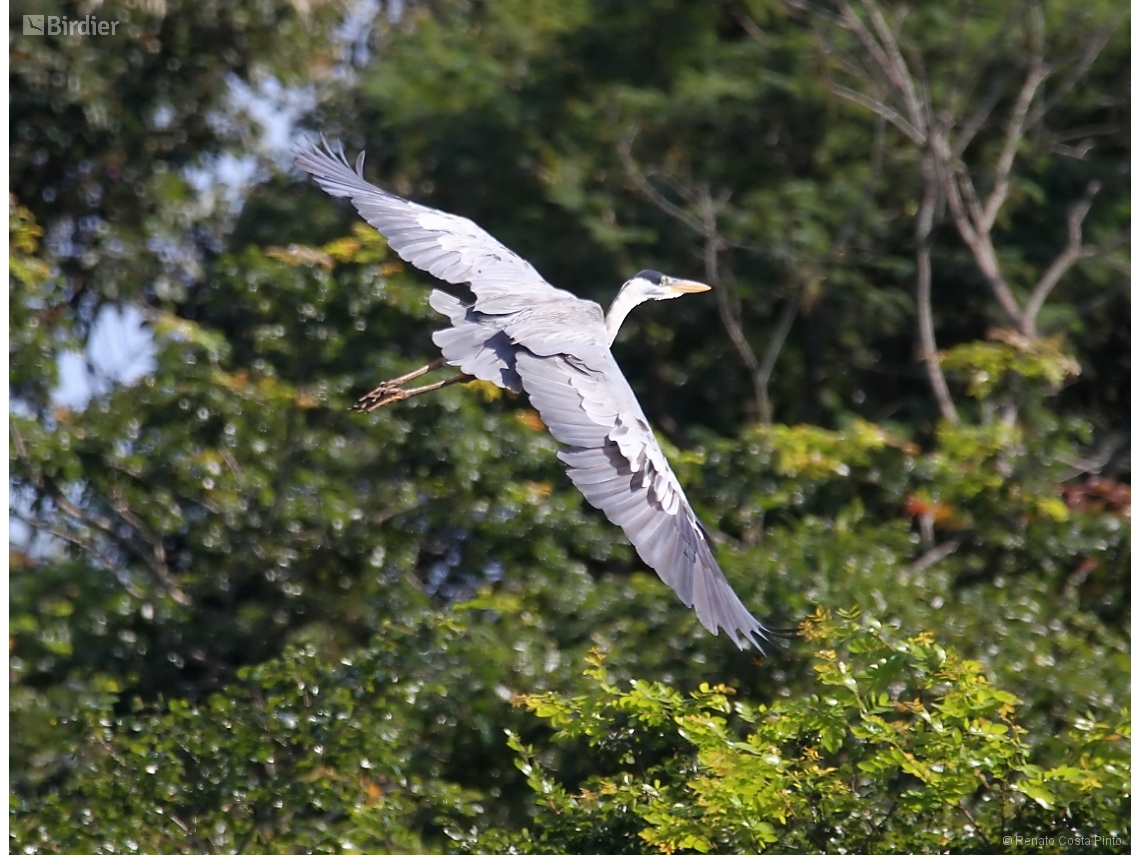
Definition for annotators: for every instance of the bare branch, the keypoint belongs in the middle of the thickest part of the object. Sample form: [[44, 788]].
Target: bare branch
[[155, 559], [1102, 130], [625, 153], [897, 75], [973, 219], [1015, 127], [905, 80], [67, 537], [975, 123], [1092, 50], [704, 225], [851, 21], [771, 353], [814, 11], [880, 109], [961, 177], [1071, 254], [108, 527], [1118, 240], [924, 226], [159, 551], [1076, 152], [880, 69], [729, 314], [932, 556], [856, 69], [1121, 267], [1098, 460], [978, 241], [754, 30]]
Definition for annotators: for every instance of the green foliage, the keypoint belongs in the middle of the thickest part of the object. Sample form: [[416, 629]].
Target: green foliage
[[1010, 357], [107, 126], [901, 746], [39, 323], [295, 755], [813, 201], [245, 619]]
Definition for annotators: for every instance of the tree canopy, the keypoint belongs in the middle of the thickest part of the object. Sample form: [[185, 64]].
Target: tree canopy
[[245, 619]]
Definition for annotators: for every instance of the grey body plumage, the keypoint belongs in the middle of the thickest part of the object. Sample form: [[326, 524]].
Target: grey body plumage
[[523, 334]]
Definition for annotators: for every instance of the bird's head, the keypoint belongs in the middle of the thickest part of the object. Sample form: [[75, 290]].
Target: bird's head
[[651, 285], [646, 285]]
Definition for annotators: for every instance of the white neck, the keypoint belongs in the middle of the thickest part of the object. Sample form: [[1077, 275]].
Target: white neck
[[626, 299]]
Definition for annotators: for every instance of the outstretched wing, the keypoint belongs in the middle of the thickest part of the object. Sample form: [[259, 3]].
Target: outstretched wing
[[448, 247], [616, 462], [555, 343]]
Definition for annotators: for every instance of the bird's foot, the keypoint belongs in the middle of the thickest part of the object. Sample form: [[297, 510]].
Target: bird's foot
[[387, 392], [391, 391]]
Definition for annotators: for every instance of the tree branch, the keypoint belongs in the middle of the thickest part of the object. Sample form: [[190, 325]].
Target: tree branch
[[1015, 127], [771, 353], [881, 109], [66, 537], [974, 124], [932, 556], [730, 317], [705, 225], [905, 80], [1074, 251], [923, 229], [155, 559], [884, 57], [151, 559], [1092, 50], [625, 153], [943, 149], [956, 184]]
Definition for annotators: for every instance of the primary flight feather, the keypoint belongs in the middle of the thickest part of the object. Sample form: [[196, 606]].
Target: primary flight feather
[[523, 334]]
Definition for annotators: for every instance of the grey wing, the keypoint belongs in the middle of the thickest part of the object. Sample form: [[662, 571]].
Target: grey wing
[[448, 247], [475, 342], [616, 462]]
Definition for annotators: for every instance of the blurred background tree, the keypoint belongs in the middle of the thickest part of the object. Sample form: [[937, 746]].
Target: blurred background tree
[[243, 619]]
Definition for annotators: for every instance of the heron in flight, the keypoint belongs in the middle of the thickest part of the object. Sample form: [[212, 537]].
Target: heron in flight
[[523, 334]]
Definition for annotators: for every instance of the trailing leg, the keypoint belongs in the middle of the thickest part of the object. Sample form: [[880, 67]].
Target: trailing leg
[[393, 390]]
